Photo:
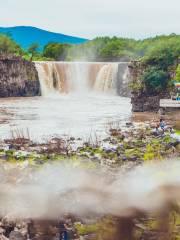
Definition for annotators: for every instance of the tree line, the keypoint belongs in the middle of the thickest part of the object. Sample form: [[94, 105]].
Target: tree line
[[159, 55]]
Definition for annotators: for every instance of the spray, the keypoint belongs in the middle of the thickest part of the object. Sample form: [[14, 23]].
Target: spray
[[54, 190]]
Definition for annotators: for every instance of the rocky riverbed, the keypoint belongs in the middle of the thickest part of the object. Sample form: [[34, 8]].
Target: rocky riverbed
[[122, 149]]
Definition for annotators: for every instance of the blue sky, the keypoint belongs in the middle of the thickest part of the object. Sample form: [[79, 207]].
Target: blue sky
[[91, 18]]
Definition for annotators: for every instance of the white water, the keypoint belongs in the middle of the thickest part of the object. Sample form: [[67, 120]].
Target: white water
[[73, 115], [78, 100], [66, 77], [106, 77]]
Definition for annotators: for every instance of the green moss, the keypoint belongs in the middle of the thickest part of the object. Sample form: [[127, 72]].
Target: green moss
[[85, 229], [177, 132], [149, 154], [10, 153], [103, 229], [135, 152], [138, 143]]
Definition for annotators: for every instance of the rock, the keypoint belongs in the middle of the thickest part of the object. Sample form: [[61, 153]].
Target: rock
[[8, 225], [18, 77], [72, 139], [15, 235], [2, 237], [145, 103], [1, 230], [129, 124]]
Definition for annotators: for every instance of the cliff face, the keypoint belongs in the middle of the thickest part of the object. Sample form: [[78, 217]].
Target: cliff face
[[140, 99], [18, 77]]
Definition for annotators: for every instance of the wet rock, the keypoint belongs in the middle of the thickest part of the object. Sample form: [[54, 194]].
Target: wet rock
[[8, 226], [16, 235], [43, 230], [129, 124], [145, 103]]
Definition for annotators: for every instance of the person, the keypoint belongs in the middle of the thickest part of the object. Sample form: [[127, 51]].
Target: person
[[162, 124], [178, 96]]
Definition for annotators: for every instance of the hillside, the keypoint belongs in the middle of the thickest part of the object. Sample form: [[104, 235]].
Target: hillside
[[25, 36]]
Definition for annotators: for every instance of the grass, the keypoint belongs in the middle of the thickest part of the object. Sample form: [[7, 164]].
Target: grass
[[177, 132]]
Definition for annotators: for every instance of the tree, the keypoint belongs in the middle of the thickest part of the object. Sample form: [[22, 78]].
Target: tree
[[7, 45], [164, 53], [177, 77], [33, 49], [155, 80], [56, 51]]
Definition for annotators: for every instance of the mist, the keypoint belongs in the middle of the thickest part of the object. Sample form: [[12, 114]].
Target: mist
[[53, 190]]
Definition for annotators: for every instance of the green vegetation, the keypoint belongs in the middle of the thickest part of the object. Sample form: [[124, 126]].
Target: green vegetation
[[160, 50], [103, 229], [164, 52], [158, 56], [155, 79], [159, 62], [56, 51], [103, 49], [7, 45], [33, 49], [139, 146], [177, 77]]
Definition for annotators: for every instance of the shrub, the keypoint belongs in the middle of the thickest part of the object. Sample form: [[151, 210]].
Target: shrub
[[155, 79]]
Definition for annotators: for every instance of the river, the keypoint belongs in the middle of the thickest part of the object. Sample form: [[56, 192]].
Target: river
[[72, 115]]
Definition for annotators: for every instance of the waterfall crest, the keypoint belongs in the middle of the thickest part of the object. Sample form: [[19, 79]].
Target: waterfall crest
[[66, 77]]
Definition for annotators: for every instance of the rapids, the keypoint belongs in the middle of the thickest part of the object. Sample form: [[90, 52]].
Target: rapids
[[72, 115]]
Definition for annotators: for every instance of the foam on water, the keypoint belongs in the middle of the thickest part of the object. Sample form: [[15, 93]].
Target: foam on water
[[77, 115]]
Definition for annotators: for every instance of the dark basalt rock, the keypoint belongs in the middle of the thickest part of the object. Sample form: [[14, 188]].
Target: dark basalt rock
[[145, 103], [18, 77]]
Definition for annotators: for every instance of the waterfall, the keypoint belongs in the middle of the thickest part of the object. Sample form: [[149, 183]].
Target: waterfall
[[106, 77], [81, 77]]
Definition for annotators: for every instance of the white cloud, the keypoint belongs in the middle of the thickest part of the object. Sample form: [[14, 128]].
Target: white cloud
[[90, 18]]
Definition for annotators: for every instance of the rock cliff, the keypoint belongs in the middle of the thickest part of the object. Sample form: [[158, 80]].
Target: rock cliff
[[18, 77]]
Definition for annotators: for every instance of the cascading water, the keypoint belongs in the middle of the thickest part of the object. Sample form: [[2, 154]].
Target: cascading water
[[65, 77], [106, 77]]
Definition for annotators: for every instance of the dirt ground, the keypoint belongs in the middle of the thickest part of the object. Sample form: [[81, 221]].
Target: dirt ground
[[172, 118]]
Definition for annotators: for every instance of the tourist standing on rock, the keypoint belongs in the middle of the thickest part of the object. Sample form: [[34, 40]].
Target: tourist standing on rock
[[162, 124]]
